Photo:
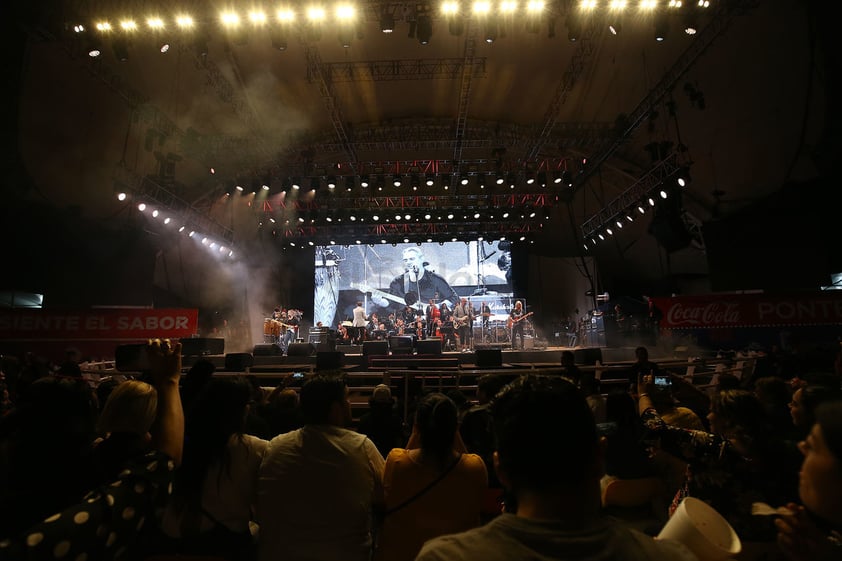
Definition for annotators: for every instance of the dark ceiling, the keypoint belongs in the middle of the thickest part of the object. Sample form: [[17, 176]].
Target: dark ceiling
[[744, 102]]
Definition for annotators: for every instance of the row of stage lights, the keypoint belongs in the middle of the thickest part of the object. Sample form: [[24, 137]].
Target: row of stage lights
[[215, 247], [335, 218], [439, 240], [346, 15], [615, 224], [557, 178]]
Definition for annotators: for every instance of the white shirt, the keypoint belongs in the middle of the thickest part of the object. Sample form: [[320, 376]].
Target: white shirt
[[359, 317], [315, 493]]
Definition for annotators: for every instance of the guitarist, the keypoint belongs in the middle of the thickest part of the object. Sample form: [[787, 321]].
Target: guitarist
[[516, 317], [460, 321], [417, 284]]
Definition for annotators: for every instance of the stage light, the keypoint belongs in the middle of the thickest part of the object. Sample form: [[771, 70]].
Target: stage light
[[609, 231], [425, 29], [387, 22], [542, 178], [121, 196], [141, 207], [296, 182], [396, 180], [683, 179], [375, 217], [364, 181], [167, 220], [664, 194], [530, 178], [431, 180], [331, 181], [661, 27], [651, 201], [619, 224]]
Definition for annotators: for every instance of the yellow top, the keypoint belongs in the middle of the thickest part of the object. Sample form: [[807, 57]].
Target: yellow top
[[452, 505]]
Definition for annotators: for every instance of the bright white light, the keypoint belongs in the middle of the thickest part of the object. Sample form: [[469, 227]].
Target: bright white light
[[617, 5], [128, 25], [239, 188], [641, 210], [213, 245], [407, 216], [450, 8], [230, 254], [587, 4], [345, 12], [315, 13], [375, 217], [286, 15], [155, 213], [121, 196], [476, 215], [265, 187], [230, 19], [481, 7], [257, 18], [205, 241], [505, 215], [450, 216], [141, 207], [464, 181], [601, 237], [663, 194], [167, 220], [648, 5], [184, 21], [155, 23], [651, 201], [397, 217], [535, 6], [181, 229], [79, 28], [508, 6], [222, 249], [103, 26], [192, 233]]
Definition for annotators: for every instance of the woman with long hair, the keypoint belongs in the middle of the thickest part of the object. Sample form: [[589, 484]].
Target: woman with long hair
[[216, 485], [432, 487]]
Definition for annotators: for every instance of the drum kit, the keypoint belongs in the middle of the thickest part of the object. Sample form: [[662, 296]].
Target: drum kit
[[498, 331]]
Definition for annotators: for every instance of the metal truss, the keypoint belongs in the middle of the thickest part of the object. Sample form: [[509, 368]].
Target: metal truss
[[578, 62], [314, 69], [416, 231], [341, 205], [464, 91], [149, 191], [718, 24], [397, 70], [629, 199]]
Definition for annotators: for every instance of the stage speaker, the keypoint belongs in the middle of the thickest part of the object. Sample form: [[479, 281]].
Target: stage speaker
[[202, 346], [301, 349], [329, 360], [400, 344], [375, 348], [489, 358], [587, 356], [131, 358], [428, 346], [238, 362], [272, 349], [350, 349]]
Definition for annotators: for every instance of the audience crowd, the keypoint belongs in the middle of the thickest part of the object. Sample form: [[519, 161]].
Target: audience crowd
[[555, 466]]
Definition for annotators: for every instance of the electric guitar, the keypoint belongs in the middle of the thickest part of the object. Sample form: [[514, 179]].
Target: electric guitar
[[513, 321], [375, 293]]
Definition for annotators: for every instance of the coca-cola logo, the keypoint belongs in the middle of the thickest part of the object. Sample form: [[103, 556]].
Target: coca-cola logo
[[705, 314]]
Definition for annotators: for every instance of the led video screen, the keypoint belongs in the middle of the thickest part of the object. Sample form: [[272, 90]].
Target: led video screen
[[386, 278]]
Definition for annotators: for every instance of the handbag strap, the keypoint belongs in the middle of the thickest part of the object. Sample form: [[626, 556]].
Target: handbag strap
[[429, 486]]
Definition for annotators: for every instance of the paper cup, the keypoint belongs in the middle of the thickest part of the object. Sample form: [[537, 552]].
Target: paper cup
[[703, 530]]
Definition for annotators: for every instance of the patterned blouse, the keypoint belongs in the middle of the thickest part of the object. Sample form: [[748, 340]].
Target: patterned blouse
[[106, 523]]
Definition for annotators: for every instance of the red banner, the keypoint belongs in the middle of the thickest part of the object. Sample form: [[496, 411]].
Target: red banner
[[716, 311], [97, 325]]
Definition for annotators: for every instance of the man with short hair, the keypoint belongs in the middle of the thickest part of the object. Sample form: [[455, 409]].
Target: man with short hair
[[318, 484], [556, 489]]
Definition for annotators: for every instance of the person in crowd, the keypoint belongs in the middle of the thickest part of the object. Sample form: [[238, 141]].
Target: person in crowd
[[215, 489], [737, 463], [107, 521], [557, 507], [124, 424], [319, 484], [381, 423], [282, 410], [673, 414], [195, 379], [776, 395], [806, 399], [431, 488], [641, 367], [475, 428], [812, 530], [463, 404], [570, 371]]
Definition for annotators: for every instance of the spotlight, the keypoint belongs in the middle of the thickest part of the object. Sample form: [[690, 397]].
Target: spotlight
[[425, 29], [331, 181], [387, 22], [364, 181], [396, 180], [661, 27], [121, 196], [683, 179], [431, 180]]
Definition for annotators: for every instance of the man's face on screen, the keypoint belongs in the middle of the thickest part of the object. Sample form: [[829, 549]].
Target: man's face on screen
[[412, 261]]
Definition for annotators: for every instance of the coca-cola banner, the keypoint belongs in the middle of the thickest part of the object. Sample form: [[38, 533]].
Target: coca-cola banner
[[750, 310], [92, 325]]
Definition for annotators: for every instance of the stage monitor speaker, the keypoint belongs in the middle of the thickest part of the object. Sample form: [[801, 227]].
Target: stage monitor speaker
[[428, 346], [272, 349], [301, 349], [375, 348], [238, 362], [329, 360], [587, 356], [131, 358], [350, 349], [202, 346], [489, 358], [400, 344]]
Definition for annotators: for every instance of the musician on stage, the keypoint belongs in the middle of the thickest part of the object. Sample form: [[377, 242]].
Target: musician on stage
[[418, 284], [472, 314], [516, 317], [359, 324], [292, 322], [433, 316], [460, 321]]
